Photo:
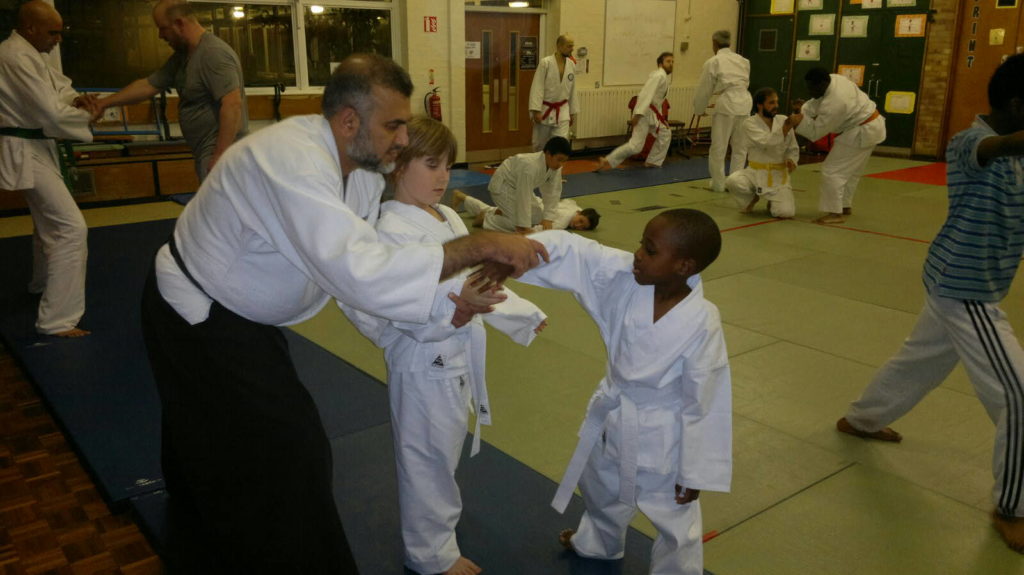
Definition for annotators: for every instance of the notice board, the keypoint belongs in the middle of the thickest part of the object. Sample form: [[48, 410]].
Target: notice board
[[635, 32]]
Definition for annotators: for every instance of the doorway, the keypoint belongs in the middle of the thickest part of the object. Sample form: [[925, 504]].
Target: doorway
[[503, 51]]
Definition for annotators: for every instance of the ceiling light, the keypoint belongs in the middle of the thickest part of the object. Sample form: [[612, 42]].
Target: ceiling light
[[518, 4], [316, 9], [238, 13]]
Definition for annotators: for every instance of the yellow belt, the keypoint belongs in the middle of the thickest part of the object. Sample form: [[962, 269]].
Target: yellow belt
[[769, 167]]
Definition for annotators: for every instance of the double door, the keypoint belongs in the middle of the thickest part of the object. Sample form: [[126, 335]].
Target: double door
[[503, 52]]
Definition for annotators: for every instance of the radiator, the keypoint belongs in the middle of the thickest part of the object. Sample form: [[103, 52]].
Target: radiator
[[604, 111]]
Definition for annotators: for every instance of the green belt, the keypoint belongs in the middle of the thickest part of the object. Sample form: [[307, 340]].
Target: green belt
[[24, 133]]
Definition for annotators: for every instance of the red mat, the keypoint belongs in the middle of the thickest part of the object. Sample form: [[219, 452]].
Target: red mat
[[934, 174]]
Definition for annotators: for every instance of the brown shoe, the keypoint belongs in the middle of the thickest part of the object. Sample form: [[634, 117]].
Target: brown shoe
[[886, 434]]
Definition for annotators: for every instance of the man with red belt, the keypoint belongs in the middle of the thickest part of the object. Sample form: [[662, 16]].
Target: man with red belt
[[838, 106], [553, 104], [649, 117]]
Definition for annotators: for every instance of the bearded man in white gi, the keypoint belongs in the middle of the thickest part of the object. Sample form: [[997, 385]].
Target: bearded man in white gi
[[553, 104], [36, 105], [283, 224], [727, 75], [773, 154], [512, 188], [647, 119], [838, 106]]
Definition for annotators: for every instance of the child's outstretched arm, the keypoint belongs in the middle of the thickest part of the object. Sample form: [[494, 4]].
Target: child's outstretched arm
[[517, 317]]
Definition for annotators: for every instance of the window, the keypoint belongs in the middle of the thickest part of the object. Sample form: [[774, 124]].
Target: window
[[111, 43]]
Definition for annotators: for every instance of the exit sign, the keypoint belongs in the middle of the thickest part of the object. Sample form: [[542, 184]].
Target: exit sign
[[430, 23]]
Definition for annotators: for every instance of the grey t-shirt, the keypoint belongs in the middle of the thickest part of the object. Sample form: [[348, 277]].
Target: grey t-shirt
[[201, 80]]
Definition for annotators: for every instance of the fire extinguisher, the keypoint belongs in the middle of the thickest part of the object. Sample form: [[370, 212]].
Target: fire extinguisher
[[432, 101]]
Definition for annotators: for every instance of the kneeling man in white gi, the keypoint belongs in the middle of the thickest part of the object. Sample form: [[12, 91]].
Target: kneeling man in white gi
[[772, 154]]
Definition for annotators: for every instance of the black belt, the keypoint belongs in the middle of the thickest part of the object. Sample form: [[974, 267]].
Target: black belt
[[24, 133], [181, 265]]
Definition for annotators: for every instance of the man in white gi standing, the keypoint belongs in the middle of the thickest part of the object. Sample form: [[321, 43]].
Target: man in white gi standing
[[773, 153], [727, 75], [512, 188], [647, 119], [838, 106], [37, 104], [206, 73], [283, 224], [553, 104]]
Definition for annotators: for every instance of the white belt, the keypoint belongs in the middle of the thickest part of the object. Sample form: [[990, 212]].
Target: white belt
[[629, 440], [477, 341]]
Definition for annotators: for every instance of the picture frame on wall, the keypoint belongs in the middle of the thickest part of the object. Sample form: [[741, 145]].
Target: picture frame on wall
[[808, 50], [901, 3], [854, 72], [805, 5], [911, 25], [782, 6], [871, 4], [821, 25], [854, 27]]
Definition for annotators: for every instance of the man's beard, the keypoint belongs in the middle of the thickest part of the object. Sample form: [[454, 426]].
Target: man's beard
[[769, 115], [361, 152]]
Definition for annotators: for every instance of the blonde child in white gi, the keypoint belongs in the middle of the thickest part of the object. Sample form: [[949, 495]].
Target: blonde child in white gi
[[553, 103], [658, 430], [647, 119], [727, 75], [436, 370], [773, 154]]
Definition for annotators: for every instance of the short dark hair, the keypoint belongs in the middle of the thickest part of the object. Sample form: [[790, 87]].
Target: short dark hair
[[592, 216], [817, 75], [558, 145], [761, 96], [661, 57], [1007, 83], [696, 235], [351, 84]]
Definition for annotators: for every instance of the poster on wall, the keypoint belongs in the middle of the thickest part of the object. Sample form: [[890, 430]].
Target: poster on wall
[[910, 25], [782, 6], [472, 50], [808, 50], [527, 52], [871, 4], [821, 25], [855, 73], [901, 3], [811, 5], [900, 102], [854, 27]]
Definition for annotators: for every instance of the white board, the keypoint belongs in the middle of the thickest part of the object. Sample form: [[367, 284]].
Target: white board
[[635, 33]]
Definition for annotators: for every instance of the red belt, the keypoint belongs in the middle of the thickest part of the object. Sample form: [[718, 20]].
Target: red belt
[[556, 106], [663, 120]]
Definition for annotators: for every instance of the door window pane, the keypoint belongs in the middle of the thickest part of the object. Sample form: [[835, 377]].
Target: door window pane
[[333, 33]]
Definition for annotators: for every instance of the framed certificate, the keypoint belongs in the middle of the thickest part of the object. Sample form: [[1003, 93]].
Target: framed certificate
[[782, 6], [822, 25], [811, 4], [853, 72], [900, 102], [870, 4], [808, 50], [910, 25], [901, 3], [854, 27]]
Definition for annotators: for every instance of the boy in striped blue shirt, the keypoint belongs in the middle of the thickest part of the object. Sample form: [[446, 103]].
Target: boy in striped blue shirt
[[968, 271]]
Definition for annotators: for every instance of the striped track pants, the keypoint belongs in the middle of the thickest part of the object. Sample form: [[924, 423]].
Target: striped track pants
[[948, 331]]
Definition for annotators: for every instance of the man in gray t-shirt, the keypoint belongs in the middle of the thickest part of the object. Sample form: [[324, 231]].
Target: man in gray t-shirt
[[207, 75]]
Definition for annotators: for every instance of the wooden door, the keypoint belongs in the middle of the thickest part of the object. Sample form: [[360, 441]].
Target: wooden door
[[767, 41], [499, 72], [979, 52]]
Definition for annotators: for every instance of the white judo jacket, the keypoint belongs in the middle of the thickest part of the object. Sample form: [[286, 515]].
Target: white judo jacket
[[727, 75], [33, 96], [554, 96], [845, 110], [767, 151], [665, 403]]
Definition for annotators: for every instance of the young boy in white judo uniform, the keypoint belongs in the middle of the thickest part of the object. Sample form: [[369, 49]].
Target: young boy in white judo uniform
[[568, 214], [436, 370], [658, 430]]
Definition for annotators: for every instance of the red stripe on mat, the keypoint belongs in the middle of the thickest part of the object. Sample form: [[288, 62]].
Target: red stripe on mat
[[934, 174], [847, 228]]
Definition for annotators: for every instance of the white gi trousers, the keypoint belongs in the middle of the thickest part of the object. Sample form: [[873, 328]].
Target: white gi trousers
[[743, 186], [505, 199], [544, 132], [649, 124], [499, 222], [678, 548], [429, 420], [59, 244], [726, 129], [840, 172], [979, 335]]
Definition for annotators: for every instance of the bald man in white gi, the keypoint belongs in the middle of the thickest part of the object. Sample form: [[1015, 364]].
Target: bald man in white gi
[[38, 104], [727, 75], [553, 103], [838, 106], [773, 154], [647, 119]]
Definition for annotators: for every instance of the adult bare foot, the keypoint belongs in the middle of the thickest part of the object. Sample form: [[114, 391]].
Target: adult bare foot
[[565, 538], [463, 566], [458, 197], [750, 206], [73, 332], [1011, 529], [886, 434], [602, 164], [830, 219]]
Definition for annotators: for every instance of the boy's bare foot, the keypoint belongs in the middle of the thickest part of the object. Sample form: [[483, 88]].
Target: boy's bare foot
[[565, 538], [463, 566], [830, 219], [886, 434], [73, 332], [602, 164], [750, 206], [458, 196], [1011, 529], [847, 211]]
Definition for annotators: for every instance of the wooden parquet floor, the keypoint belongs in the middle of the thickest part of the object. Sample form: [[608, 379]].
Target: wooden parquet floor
[[53, 520]]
